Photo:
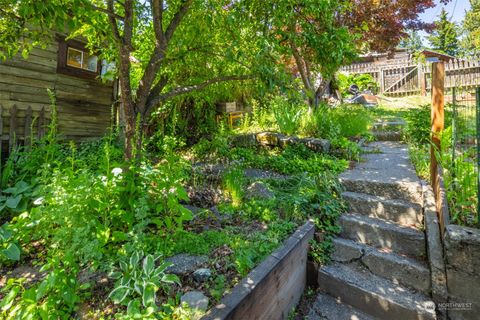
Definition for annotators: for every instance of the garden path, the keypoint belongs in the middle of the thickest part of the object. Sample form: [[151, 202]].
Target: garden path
[[378, 268]]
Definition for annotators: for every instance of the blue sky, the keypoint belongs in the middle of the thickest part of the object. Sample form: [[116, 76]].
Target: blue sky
[[455, 8]]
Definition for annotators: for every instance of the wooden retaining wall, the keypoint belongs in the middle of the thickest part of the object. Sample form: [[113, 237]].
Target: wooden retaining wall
[[83, 105], [273, 288]]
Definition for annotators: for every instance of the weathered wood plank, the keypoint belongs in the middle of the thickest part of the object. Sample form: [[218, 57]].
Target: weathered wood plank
[[31, 66], [28, 128], [13, 128], [59, 84], [1, 130], [50, 77], [41, 124]]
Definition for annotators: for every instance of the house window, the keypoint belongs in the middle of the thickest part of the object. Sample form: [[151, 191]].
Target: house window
[[75, 60], [82, 60]]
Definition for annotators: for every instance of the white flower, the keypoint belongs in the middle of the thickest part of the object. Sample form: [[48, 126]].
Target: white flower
[[117, 171], [38, 201]]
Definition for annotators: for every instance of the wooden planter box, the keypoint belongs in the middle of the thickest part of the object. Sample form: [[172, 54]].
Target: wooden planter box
[[272, 289]]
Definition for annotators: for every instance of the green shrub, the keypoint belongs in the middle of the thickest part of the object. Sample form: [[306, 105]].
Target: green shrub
[[419, 127], [137, 281], [352, 120], [287, 115], [320, 123], [233, 181], [363, 81]]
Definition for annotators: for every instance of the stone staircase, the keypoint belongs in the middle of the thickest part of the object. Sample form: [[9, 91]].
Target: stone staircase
[[388, 129], [378, 268]]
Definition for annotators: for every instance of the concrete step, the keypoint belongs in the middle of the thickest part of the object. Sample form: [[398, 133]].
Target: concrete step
[[373, 295], [383, 234], [387, 135], [326, 307], [396, 210], [388, 125], [399, 269], [382, 184]]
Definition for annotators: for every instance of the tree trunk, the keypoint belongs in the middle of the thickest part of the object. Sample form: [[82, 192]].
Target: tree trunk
[[129, 132]]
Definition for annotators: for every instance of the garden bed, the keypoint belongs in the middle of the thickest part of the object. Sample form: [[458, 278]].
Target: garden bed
[[272, 289], [213, 211]]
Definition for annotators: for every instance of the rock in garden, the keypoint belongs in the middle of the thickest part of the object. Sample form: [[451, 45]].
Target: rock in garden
[[284, 141], [260, 190], [183, 264], [195, 300], [317, 145], [267, 138], [244, 140], [202, 275]]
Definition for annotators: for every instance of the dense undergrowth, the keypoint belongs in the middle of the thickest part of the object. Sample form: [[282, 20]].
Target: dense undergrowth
[[459, 172], [73, 212]]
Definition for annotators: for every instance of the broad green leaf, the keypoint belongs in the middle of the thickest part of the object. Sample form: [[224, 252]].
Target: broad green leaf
[[7, 301], [119, 294], [12, 203], [133, 307], [21, 187], [170, 278], [123, 266], [148, 264], [5, 233], [41, 290], [12, 252], [148, 297], [115, 275], [135, 258], [163, 266]]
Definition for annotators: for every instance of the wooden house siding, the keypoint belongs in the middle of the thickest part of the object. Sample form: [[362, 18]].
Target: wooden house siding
[[83, 105]]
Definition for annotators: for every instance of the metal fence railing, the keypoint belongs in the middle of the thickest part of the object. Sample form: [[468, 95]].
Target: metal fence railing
[[462, 182]]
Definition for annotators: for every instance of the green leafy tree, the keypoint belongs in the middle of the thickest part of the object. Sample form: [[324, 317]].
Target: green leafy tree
[[471, 25], [308, 35], [412, 42], [162, 48], [444, 38]]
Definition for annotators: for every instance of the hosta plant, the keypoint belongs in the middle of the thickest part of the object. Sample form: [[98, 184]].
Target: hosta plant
[[8, 248], [137, 283]]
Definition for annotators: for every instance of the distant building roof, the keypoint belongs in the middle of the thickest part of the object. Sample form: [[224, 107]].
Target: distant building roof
[[434, 54]]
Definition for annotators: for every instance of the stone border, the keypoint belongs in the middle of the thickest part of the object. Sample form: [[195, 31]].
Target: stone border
[[273, 288], [455, 259], [273, 139], [434, 248]]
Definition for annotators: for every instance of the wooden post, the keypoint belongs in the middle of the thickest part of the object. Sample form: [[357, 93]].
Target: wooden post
[[1, 135], [437, 118], [422, 80], [382, 81], [28, 128], [41, 124], [12, 138]]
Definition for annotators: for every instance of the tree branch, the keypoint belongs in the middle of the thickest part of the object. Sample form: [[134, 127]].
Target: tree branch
[[158, 53], [157, 13], [301, 67], [113, 23], [108, 12], [128, 24], [186, 89], [177, 18]]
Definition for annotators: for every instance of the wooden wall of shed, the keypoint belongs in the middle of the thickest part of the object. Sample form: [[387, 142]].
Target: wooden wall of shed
[[83, 105]]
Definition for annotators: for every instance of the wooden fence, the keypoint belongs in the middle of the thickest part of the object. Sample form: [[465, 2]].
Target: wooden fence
[[406, 77], [21, 133]]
